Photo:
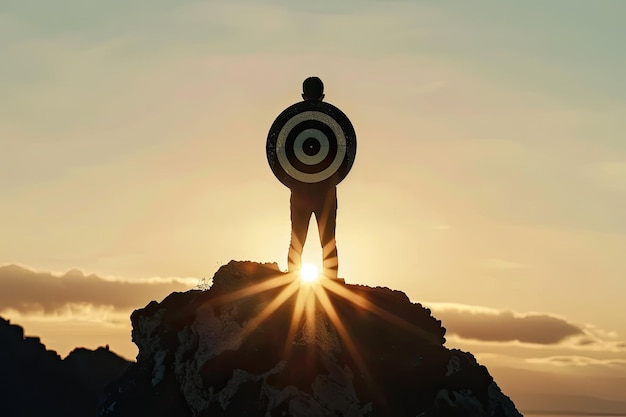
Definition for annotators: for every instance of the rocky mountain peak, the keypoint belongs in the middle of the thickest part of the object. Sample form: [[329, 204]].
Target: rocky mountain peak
[[260, 343]]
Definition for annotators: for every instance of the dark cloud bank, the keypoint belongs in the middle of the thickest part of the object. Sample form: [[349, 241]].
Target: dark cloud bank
[[28, 291], [505, 326]]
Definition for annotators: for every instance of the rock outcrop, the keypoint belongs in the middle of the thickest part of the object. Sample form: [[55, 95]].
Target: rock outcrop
[[260, 343], [35, 381]]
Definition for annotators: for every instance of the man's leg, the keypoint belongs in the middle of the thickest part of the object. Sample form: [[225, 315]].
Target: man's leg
[[300, 217], [326, 222]]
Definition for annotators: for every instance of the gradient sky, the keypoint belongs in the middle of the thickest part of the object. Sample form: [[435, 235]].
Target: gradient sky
[[489, 184]]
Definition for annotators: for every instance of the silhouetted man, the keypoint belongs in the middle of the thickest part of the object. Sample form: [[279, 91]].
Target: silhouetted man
[[315, 198]]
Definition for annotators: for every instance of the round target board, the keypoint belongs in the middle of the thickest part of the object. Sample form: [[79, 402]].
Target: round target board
[[311, 142]]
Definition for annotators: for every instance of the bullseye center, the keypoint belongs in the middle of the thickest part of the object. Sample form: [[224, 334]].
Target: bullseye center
[[311, 146]]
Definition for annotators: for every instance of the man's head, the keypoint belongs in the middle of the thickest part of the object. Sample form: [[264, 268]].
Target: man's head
[[313, 89]]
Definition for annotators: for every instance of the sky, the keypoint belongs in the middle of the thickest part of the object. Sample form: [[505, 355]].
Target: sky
[[489, 182]]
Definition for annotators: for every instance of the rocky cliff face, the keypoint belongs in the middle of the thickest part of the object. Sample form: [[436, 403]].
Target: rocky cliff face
[[259, 343]]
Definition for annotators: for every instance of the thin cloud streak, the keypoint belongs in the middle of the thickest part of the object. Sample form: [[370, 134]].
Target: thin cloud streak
[[578, 361]]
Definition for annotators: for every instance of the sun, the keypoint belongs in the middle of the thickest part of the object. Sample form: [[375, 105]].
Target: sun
[[309, 273]]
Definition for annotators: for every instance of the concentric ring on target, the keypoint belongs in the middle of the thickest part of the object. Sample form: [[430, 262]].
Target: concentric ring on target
[[311, 142], [300, 148], [287, 165], [310, 147]]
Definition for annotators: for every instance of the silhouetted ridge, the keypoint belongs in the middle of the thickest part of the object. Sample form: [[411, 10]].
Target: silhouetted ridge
[[361, 351], [35, 381]]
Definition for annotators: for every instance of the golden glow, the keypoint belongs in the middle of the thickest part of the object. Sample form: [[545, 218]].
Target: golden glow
[[309, 273], [277, 281], [284, 295], [307, 300], [327, 305]]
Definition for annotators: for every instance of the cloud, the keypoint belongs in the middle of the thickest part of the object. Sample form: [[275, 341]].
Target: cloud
[[534, 330], [580, 361], [492, 325], [27, 291]]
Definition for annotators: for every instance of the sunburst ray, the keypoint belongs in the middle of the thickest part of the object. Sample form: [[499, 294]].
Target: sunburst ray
[[287, 292], [254, 289], [299, 308], [328, 307], [365, 304]]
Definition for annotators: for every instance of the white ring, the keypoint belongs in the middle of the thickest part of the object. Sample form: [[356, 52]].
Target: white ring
[[281, 153], [311, 159]]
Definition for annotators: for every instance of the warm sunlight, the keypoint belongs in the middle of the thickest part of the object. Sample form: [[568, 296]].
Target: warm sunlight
[[309, 273]]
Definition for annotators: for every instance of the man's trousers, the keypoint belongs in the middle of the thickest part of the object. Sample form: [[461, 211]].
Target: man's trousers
[[324, 206]]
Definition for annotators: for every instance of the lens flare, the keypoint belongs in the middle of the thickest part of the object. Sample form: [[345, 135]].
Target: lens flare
[[309, 273]]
